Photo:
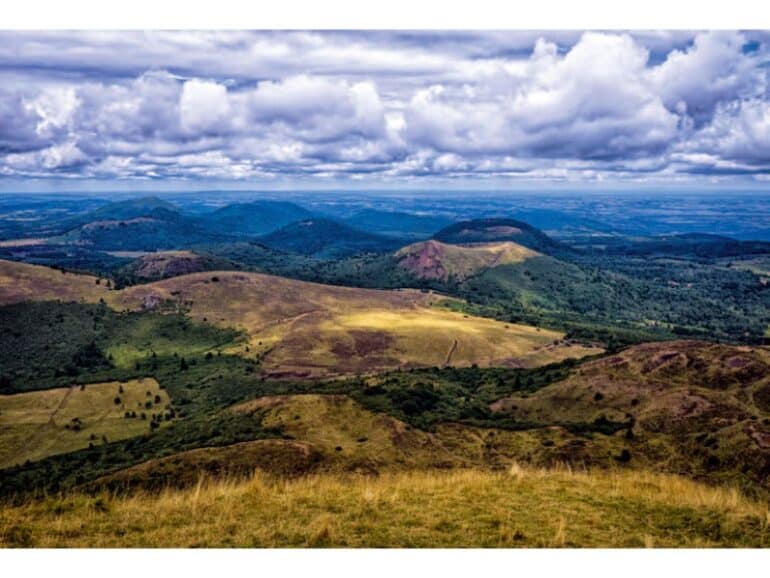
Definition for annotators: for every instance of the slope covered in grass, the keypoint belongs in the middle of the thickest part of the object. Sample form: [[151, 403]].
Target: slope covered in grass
[[55, 421], [22, 282], [534, 508], [696, 408], [305, 329]]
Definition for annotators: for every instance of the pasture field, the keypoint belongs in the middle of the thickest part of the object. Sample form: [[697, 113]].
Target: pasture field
[[467, 508], [38, 424]]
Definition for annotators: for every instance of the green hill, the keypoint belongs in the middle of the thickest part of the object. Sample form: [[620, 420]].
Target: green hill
[[397, 223], [255, 218], [327, 239], [498, 230], [146, 233], [131, 209]]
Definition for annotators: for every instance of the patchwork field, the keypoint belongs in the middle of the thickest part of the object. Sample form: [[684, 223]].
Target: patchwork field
[[518, 508], [55, 421]]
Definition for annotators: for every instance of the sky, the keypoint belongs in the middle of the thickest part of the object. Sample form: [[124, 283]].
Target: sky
[[196, 109]]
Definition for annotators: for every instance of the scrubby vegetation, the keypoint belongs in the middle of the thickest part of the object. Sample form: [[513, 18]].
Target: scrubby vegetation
[[50, 344]]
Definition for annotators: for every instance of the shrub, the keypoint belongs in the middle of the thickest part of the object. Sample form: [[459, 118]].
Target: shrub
[[624, 457]]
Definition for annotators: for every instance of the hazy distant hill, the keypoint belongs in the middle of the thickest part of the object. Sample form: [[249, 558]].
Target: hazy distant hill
[[327, 239], [397, 224], [144, 233], [145, 224], [256, 218], [689, 244], [134, 208]]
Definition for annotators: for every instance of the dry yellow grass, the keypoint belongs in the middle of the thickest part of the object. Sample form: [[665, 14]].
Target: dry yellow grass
[[43, 423], [22, 282], [312, 330], [470, 508]]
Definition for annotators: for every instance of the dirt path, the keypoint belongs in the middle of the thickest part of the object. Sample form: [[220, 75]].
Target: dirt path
[[43, 430], [451, 352], [282, 321]]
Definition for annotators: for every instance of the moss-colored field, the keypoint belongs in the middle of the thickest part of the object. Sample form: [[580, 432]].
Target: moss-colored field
[[55, 421], [536, 508]]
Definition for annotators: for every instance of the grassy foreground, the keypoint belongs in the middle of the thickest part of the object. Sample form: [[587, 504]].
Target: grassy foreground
[[523, 507]]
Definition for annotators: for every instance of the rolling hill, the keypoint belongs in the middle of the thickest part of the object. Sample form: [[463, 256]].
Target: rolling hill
[[144, 233], [132, 209], [164, 264], [327, 239], [498, 230], [436, 260], [397, 223], [305, 329], [23, 282], [253, 219], [695, 408]]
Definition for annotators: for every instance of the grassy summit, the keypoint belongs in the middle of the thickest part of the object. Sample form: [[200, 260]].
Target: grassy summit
[[519, 508]]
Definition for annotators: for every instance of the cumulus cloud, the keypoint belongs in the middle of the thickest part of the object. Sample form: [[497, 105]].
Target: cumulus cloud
[[348, 105], [712, 70], [593, 102], [203, 106]]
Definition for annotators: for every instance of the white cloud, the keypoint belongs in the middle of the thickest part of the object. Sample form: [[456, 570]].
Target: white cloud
[[712, 70], [593, 102], [203, 106], [54, 108], [241, 105]]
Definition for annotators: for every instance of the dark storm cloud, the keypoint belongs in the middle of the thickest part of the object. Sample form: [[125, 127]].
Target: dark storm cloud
[[384, 105]]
